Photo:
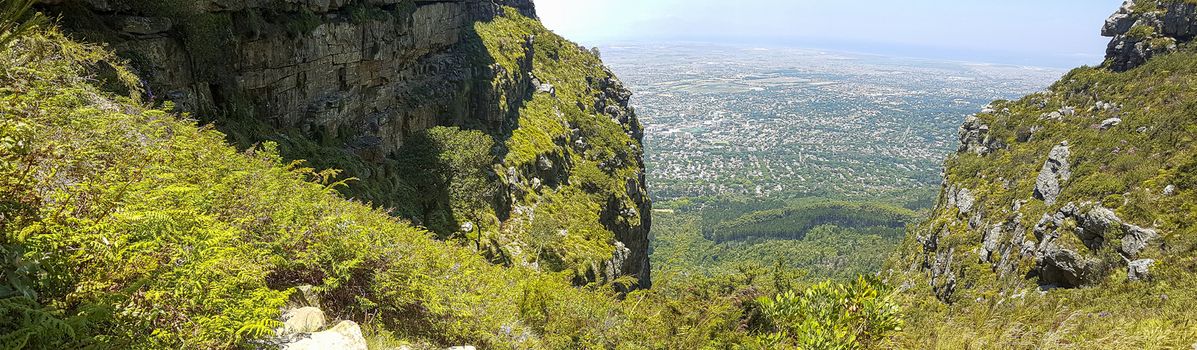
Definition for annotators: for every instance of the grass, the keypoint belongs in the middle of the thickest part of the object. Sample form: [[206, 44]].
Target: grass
[[1125, 168], [552, 127], [127, 226]]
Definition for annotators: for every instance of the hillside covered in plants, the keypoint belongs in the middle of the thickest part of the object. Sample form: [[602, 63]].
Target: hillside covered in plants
[[467, 118], [133, 221], [1066, 218], [398, 174]]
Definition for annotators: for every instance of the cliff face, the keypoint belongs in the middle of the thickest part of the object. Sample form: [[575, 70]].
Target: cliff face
[[1066, 203], [346, 84], [1145, 28], [368, 73]]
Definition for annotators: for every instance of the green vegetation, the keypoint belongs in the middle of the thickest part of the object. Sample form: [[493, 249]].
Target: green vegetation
[[1127, 167], [822, 252], [1141, 32], [16, 20], [795, 305], [570, 163], [794, 221], [182, 241], [126, 226], [448, 179], [825, 316]]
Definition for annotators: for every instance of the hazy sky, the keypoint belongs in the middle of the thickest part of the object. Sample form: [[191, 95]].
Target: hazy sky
[[1043, 32]]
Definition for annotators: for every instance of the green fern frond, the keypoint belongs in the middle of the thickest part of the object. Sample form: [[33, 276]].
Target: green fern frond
[[16, 20], [259, 329]]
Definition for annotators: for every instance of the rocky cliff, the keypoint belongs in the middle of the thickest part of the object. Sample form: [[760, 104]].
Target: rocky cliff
[[1142, 29], [1074, 205], [347, 84]]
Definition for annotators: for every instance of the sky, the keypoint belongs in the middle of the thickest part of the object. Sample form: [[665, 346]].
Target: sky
[[1054, 33]]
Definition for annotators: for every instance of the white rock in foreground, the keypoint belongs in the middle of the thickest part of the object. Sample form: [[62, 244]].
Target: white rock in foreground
[[346, 335], [303, 320]]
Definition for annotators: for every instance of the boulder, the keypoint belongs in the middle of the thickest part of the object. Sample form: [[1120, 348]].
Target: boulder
[[965, 200], [1170, 190], [1092, 226], [547, 89], [1056, 170], [974, 137], [989, 244], [1121, 21], [1136, 239], [303, 320], [1110, 123], [346, 335], [1065, 268], [1139, 270]]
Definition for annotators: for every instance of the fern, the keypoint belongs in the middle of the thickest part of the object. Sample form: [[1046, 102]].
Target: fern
[[16, 20], [33, 326], [259, 329]]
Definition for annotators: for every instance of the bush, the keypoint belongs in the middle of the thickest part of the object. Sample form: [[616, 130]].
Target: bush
[[826, 316], [1140, 32]]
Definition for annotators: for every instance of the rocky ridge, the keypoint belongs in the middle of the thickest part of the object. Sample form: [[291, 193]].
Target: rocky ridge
[[346, 83], [1065, 223], [1142, 29]]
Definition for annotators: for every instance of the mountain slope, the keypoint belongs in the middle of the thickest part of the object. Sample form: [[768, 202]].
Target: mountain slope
[[125, 226], [465, 117], [1065, 219]]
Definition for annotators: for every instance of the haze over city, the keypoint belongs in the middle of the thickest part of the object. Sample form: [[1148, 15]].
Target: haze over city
[[1063, 33]]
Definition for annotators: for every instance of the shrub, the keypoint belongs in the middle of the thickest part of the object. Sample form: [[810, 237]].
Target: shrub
[[832, 316], [1141, 32]]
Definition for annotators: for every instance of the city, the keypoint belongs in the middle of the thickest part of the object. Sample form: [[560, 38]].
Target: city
[[784, 123]]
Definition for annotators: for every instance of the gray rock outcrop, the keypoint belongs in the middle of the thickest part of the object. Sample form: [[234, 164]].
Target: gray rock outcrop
[[1136, 239], [1056, 171], [1141, 29], [1064, 267], [1139, 270], [975, 138], [1110, 123], [1095, 227]]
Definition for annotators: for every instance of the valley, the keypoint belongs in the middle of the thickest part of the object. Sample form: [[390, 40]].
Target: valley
[[767, 158], [785, 123], [456, 175]]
